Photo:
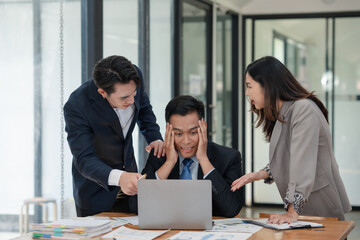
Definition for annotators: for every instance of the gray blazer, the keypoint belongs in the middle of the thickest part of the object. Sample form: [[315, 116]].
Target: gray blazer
[[302, 162]]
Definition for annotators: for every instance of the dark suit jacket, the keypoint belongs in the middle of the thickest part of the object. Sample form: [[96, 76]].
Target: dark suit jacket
[[227, 164], [97, 143]]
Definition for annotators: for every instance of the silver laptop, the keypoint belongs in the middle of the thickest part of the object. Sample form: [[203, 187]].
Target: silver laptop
[[175, 204]]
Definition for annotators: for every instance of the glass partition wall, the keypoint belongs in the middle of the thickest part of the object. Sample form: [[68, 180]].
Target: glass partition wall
[[195, 29], [346, 103], [193, 54], [322, 53], [205, 65], [226, 79]]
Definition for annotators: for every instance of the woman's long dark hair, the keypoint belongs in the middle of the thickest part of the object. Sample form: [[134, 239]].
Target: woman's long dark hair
[[278, 83]]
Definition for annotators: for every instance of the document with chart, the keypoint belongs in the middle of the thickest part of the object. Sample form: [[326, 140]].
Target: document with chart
[[234, 225]]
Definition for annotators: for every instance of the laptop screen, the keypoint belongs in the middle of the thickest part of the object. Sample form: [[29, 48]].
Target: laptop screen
[[175, 204]]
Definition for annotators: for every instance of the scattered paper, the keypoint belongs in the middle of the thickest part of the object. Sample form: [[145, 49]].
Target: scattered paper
[[123, 233], [132, 220], [116, 221], [93, 218], [234, 225], [210, 236]]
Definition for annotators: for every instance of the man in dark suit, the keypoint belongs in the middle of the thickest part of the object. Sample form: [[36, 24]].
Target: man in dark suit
[[100, 117], [189, 155]]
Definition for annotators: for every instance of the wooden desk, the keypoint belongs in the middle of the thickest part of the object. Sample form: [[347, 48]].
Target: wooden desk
[[333, 230]]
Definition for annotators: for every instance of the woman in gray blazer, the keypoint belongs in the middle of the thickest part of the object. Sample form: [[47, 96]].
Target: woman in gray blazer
[[302, 162]]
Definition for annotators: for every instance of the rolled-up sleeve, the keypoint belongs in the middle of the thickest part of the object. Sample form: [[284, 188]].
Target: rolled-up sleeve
[[297, 199], [270, 179]]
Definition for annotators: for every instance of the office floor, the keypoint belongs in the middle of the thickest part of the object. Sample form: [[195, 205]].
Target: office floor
[[352, 216], [251, 212]]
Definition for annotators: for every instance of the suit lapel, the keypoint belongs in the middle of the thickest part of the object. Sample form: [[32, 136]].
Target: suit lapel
[[133, 122], [209, 154], [275, 136], [175, 172], [104, 109], [200, 173]]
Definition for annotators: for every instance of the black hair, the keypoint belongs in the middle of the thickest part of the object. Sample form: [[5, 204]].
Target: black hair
[[183, 105], [114, 69], [278, 83]]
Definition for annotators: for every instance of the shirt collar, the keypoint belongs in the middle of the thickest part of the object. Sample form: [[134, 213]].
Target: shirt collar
[[131, 108], [192, 158]]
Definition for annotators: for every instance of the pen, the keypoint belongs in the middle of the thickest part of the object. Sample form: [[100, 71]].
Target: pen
[[143, 176], [299, 226]]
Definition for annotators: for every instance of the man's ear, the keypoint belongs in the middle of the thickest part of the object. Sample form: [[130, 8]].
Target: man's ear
[[102, 92]]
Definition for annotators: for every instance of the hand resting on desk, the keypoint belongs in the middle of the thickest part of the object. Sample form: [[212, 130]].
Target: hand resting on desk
[[288, 217]]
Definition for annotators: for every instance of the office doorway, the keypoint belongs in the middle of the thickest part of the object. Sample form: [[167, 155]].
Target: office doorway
[[321, 51], [193, 53], [204, 64]]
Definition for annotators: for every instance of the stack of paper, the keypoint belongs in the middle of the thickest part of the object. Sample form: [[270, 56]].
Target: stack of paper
[[71, 228]]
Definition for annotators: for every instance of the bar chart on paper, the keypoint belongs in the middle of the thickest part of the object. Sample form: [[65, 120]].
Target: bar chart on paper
[[210, 236]]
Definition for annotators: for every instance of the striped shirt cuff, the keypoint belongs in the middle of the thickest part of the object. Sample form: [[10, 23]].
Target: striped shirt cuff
[[270, 179], [298, 203]]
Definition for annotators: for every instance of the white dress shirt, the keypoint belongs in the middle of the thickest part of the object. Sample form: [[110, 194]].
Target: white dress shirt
[[125, 117]]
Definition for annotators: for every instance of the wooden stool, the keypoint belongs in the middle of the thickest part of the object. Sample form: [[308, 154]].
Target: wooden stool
[[35, 201]]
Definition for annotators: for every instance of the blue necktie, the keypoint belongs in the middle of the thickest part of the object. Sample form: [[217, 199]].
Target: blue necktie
[[186, 174]]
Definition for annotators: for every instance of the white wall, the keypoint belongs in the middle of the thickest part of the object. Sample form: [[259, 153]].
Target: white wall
[[17, 106], [17, 99]]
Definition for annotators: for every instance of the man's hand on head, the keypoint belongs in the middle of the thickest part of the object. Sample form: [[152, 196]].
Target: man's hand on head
[[171, 153], [201, 153]]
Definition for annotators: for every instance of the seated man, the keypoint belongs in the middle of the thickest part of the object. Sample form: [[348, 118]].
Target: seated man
[[189, 155]]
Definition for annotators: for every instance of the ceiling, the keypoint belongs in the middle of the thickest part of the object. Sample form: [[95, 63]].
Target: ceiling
[[290, 6]]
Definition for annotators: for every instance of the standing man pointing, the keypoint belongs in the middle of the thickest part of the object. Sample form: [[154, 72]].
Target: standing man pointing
[[100, 117]]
